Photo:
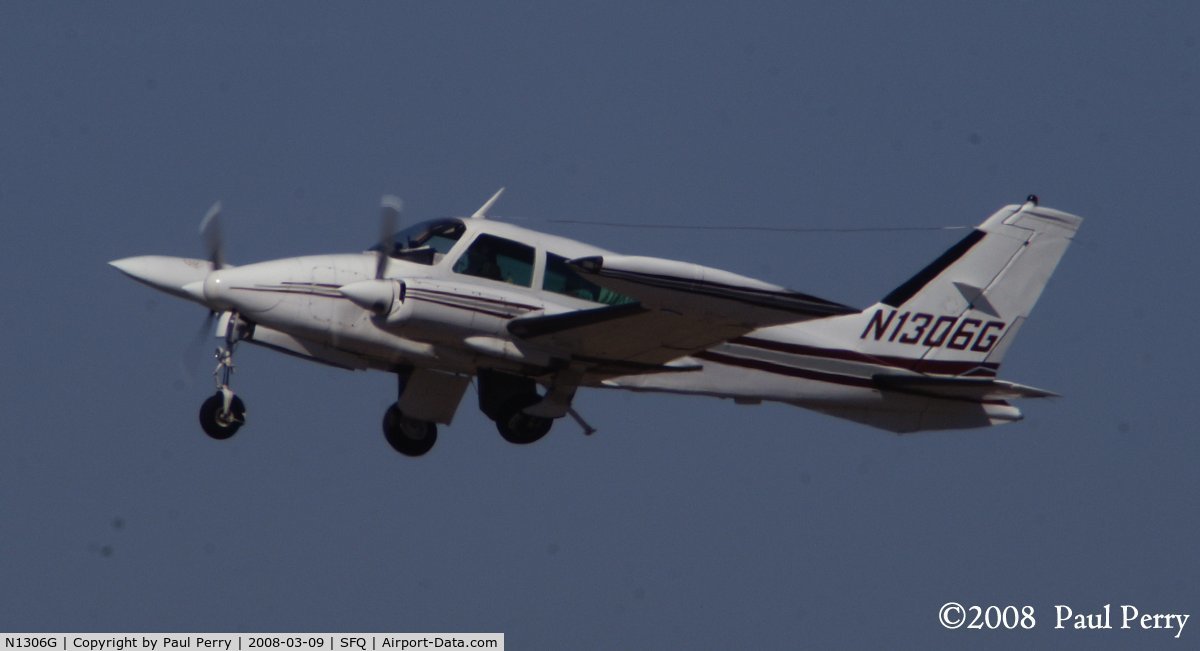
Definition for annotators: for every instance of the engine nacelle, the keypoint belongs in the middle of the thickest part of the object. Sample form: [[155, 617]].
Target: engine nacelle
[[435, 309]]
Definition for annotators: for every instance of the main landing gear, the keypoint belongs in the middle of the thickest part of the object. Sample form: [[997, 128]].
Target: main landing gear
[[516, 426], [407, 435], [223, 413], [503, 398]]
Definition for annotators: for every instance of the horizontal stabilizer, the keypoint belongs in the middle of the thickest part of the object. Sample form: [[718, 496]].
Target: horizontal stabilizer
[[959, 388]]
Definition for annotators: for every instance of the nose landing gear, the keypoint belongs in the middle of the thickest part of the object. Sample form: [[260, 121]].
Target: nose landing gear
[[223, 413]]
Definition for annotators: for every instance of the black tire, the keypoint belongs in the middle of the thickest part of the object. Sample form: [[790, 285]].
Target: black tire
[[521, 428], [217, 427], [408, 436]]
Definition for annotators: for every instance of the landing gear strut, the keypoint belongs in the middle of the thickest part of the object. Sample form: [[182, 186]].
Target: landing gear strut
[[223, 413]]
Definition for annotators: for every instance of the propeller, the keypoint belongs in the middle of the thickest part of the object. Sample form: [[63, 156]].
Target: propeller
[[195, 349], [210, 229], [389, 221], [374, 295]]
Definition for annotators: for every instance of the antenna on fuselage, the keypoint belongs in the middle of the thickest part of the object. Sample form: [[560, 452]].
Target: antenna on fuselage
[[482, 212]]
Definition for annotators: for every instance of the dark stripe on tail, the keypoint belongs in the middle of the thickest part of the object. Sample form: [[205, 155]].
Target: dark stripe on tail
[[901, 294]]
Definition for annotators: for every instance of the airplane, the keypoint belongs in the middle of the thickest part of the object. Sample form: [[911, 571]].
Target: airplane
[[532, 317]]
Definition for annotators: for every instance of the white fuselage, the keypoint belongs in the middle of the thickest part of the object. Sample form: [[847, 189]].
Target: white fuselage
[[457, 323]]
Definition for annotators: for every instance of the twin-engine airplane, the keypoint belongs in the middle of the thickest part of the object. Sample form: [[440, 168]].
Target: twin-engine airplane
[[535, 317]]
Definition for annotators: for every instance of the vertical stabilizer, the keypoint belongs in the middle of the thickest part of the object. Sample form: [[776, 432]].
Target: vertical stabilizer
[[960, 314]]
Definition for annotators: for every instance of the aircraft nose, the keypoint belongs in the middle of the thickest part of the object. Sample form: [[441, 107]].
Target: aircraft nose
[[165, 273]]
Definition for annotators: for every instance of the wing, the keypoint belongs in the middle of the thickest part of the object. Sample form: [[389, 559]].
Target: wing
[[624, 338], [682, 308], [703, 292]]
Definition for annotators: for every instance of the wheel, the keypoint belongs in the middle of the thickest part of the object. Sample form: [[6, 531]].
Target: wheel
[[220, 425], [521, 428], [408, 436]]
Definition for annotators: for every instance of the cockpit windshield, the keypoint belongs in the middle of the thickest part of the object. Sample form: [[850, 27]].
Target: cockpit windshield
[[425, 242]]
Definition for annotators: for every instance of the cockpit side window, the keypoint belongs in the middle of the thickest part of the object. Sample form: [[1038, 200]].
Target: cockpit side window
[[560, 278], [499, 259], [426, 242]]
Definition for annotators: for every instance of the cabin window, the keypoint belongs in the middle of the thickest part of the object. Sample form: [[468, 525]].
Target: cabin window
[[496, 258], [560, 278]]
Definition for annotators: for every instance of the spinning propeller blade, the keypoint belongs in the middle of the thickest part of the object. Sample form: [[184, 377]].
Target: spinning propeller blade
[[210, 228], [195, 349], [389, 220]]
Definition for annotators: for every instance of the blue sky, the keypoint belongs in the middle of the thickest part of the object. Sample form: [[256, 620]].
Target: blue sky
[[683, 521]]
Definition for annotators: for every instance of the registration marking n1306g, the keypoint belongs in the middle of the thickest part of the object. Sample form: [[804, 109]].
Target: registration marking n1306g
[[933, 331]]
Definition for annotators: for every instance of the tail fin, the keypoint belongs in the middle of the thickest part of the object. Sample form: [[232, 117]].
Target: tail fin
[[960, 314]]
